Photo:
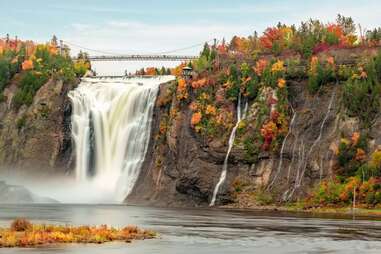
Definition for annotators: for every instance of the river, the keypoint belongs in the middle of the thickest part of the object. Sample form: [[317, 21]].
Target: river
[[205, 230]]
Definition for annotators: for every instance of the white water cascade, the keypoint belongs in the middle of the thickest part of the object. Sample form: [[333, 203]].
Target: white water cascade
[[111, 123], [240, 116]]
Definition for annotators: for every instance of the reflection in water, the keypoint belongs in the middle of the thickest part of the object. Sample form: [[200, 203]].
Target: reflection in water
[[206, 230]]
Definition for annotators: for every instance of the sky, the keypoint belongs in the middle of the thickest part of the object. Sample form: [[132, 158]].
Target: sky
[[129, 27]]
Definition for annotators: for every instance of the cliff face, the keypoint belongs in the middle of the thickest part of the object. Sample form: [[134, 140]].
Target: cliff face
[[182, 168], [36, 138]]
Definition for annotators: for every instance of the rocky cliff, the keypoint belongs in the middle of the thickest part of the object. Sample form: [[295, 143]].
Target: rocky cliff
[[36, 138], [182, 166]]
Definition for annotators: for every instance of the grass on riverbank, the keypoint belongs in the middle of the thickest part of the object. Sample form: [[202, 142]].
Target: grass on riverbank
[[22, 233]]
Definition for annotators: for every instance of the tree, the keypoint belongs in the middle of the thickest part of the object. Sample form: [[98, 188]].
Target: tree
[[54, 41], [347, 24], [206, 51]]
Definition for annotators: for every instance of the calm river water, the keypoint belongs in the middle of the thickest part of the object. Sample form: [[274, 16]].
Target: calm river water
[[184, 231]]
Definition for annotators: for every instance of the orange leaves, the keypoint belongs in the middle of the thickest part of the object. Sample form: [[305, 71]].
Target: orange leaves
[[199, 83], [35, 235], [337, 31], [194, 106], [182, 92], [27, 65], [281, 83], [240, 44], [331, 60], [53, 50], [222, 49], [313, 64], [355, 138], [178, 70], [268, 132], [270, 35], [360, 154], [151, 71], [196, 118], [260, 66], [282, 36]]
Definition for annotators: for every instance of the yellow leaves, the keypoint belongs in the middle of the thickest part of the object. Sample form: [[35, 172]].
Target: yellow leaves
[[81, 67], [196, 118], [210, 110], [313, 64], [281, 83], [204, 96], [27, 65], [375, 159], [345, 141], [278, 66], [52, 234]]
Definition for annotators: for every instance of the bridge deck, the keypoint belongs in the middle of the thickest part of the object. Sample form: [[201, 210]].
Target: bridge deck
[[142, 58]]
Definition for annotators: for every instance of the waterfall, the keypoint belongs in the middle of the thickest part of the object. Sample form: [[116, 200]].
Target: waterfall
[[305, 157], [231, 143], [282, 149], [111, 124]]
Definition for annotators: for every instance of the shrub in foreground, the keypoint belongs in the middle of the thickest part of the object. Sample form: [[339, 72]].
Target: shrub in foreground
[[22, 233]]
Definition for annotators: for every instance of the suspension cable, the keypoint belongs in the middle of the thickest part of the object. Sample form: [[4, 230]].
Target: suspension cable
[[119, 54]]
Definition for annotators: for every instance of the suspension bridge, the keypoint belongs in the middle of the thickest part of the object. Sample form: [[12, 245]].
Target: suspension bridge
[[112, 56], [140, 58]]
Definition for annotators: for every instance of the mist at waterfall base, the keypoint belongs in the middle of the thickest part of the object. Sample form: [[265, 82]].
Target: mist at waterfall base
[[111, 124]]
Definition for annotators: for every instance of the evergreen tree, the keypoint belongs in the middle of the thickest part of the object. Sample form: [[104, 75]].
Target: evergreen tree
[[206, 51]]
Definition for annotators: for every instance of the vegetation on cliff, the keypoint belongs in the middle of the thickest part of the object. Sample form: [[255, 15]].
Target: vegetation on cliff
[[36, 63], [259, 70]]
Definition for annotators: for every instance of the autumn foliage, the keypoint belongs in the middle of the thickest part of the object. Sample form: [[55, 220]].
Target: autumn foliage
[[25, 234], [27, 65], [196, 118]]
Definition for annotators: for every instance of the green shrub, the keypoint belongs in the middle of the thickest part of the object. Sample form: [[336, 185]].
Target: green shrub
[[263, 197], [361, 97], [366, 171], [2, 97], [29, 85], [252, 145], [294, 69], [377, 65], [322, 76], [328, 193], [5, 74], [21, 122], [349, 166]]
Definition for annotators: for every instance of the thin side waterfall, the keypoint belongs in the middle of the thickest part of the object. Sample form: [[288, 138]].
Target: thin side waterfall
[[118, 113], [282, 150], [231, 143], [299, 176]]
